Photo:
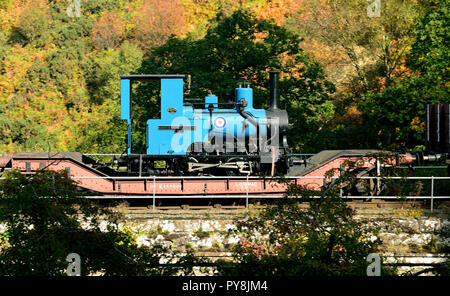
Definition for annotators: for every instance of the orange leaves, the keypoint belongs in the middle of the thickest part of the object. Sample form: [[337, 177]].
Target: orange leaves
[[276, 10], [34, 21], [11, 15], [109, 31], [156, 20]]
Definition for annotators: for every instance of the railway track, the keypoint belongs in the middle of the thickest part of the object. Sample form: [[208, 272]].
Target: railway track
[[136, 209]]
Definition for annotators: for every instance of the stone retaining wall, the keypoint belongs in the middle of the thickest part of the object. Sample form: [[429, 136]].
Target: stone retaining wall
[[410, 236], [407, 236]]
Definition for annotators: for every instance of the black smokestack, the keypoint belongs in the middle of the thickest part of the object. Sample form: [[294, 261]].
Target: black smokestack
[[274, 94]]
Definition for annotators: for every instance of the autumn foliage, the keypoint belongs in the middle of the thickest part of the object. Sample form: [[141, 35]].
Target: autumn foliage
[[109, 30], [59, 87], [156, 20]]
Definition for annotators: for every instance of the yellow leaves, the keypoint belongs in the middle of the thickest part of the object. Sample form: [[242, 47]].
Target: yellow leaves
[[417, 125], [127, 237], [10, 17], [15, 66], [200, 13], [397, 131]]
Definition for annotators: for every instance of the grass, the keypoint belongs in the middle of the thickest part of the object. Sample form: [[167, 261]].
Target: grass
[[416, 213], [202, 234]]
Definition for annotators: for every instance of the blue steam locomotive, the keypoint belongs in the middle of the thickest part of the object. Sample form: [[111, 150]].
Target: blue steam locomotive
[[208, 139]]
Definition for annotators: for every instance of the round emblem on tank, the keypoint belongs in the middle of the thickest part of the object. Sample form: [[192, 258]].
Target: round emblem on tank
[[220, 122]]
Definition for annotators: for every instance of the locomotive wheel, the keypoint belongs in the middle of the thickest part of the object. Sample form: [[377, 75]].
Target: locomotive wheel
[[230, 173]]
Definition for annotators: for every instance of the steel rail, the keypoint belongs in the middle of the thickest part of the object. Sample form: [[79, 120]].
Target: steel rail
[[106, 154], [251, 178], [255, 197]]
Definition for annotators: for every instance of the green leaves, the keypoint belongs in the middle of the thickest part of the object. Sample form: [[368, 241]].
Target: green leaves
[[308, 233], [395, 117], [61, 73], [241, 47], [430, 54], [46, 219]]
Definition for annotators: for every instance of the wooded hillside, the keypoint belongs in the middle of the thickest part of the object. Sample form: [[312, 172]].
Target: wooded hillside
[[348, 80]]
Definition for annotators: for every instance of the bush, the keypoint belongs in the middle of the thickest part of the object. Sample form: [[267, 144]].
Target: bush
[[289, 240], [46, 220]]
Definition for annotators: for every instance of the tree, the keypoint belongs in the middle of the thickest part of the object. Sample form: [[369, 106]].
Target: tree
[[109, 30], [240, 47], [361, 54], [104, 90], [396, 116], [16, 131], [33, 25], [375, 47], [49, 63], [430, 54], [156, 20], [302, 235], [46, 220]]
